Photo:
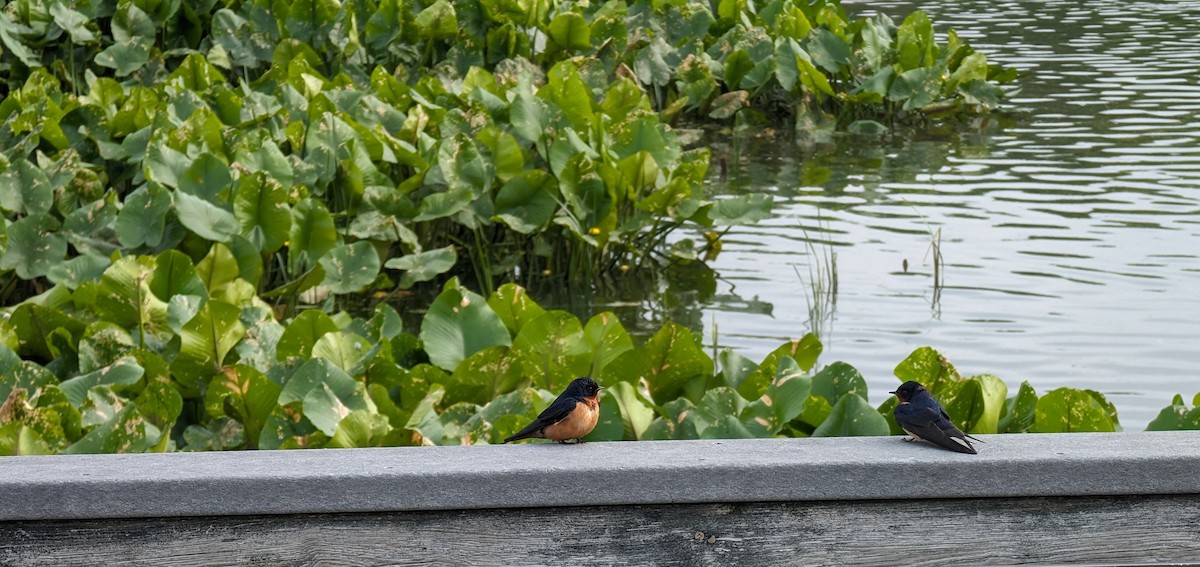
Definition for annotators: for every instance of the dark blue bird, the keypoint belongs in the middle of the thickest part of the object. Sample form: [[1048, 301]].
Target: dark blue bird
[[572, 415], [921, 416]]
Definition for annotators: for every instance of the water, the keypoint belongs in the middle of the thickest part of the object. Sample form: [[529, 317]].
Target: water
[[1070, 232]]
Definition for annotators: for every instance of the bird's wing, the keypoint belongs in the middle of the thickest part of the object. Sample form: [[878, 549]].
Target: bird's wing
[[952, 430], [927, 423], [558, 410]]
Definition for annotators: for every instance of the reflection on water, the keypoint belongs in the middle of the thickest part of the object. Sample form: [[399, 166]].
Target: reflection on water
[[1070, 229]]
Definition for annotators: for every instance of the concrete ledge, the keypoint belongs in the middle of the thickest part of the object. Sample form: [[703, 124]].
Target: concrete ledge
[[551, 475]]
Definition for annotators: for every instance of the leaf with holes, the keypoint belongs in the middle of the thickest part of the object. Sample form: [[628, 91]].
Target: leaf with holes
[[350, 268], [459, 324]]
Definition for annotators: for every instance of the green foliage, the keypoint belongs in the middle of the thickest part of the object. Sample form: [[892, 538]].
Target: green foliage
[[500, 141], [1067, 410], [1177, 416], [979, 405], [169, 168], [222, 373]]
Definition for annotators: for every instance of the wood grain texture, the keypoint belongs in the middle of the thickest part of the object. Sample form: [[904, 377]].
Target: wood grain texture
[[1002, 531]]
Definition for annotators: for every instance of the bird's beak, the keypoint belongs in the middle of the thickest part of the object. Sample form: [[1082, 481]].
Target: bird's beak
[[892, 392]]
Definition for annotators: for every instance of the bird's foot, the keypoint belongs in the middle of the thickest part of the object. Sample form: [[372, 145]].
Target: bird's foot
[[910, 439]]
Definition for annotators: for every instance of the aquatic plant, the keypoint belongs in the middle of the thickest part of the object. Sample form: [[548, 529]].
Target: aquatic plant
[[179, 179], [161, 354]]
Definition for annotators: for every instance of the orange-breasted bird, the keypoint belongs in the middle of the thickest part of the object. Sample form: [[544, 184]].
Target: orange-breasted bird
[[921, 416], [572, 415]]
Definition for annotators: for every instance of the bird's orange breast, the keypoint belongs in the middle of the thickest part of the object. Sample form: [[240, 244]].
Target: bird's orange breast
[[581, 421]]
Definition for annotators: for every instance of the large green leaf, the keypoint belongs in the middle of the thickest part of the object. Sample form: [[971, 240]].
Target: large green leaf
[[350, 268], [124, 372], [302, 334], [556, 341], [783, 401], [828, 50], [929, 367], [125, 296], [326, 394], [914, 41], [527, 202], [196, 73], [489, 373], [220, 434], [852, 416], [570, 31], [668, 363], [312, 235], [361, 428], [143, 217], [206, 220], [636, 411], [1069, 410], [35, 327], [346, 350], [566, 90], [128, 431], [529, 115], [464, 165], [34, 246], [734, 367], [78, 270], [74, 23], [423, 266], [876, 39], [715, 406], [19, 439], [977, 403], [459, 324], [9, 36], [607, 340], [804, 351], [159, 401], [175, 275], [917, 88], [837, 381], [1019, 411], [24, 188], [514, 307], [260, 206], [219, 271], [127, 56], [438, 21], [812, 79], [16, 373], [243, 393], [1177, 416], [451, 427], [205, 340]]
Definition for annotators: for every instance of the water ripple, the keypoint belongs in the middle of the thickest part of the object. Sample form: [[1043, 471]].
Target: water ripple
[[1070, 234]]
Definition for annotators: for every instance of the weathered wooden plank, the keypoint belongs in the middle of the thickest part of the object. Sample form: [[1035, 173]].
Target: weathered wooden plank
[[404, 479], [1062, 530]]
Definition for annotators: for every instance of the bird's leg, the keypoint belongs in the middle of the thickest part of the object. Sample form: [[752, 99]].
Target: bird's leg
[[910, 439]]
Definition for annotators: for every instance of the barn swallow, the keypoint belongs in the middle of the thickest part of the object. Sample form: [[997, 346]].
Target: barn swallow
[[572, 415], [921, 416]]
